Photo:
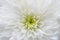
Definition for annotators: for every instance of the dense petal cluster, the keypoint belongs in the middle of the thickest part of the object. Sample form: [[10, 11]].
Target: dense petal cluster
[[29, 20]]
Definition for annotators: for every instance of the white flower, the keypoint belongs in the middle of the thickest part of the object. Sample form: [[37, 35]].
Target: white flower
[[28, 20]]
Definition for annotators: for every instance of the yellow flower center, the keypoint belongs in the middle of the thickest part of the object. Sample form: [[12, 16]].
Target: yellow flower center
[[30, 22]]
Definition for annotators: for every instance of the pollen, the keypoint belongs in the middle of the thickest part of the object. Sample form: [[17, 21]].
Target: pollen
[[31, 22]]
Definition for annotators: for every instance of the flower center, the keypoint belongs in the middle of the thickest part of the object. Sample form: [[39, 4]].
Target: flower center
[[30, 22]]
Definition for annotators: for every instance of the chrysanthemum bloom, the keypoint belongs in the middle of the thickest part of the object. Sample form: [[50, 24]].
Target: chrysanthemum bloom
[[28, 20]]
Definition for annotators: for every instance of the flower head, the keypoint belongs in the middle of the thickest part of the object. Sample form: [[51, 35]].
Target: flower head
[[29, 20]]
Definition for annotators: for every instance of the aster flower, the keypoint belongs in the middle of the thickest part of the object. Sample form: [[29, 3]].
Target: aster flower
[[28, 20]]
